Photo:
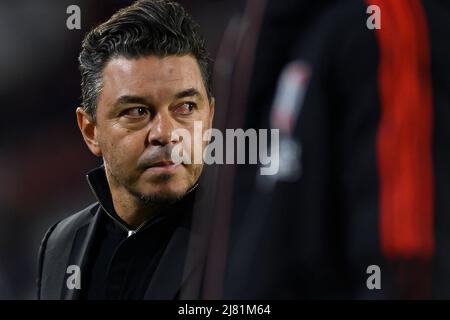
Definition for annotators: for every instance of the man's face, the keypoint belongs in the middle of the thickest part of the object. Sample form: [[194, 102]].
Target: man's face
[[142, 101]]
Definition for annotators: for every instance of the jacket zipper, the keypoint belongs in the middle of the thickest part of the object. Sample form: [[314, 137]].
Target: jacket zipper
[[129, 232]]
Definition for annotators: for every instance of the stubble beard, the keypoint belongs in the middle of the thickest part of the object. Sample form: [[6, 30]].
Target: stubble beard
[[153, 199]]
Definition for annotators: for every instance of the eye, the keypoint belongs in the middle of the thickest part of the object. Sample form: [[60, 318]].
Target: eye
[[136, 113], [185, 108]]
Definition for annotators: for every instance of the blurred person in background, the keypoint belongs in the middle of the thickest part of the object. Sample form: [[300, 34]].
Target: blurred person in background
[[364, 152]]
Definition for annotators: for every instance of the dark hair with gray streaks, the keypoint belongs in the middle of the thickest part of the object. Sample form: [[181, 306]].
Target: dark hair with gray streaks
[[147, 27]]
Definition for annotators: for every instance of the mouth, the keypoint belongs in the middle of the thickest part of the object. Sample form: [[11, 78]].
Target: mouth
[[165, 166], [164, 163]]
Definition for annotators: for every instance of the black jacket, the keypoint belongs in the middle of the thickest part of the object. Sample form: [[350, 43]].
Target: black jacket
[[71, 242]]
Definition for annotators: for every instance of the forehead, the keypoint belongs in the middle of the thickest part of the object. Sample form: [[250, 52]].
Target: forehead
[[151, 76]]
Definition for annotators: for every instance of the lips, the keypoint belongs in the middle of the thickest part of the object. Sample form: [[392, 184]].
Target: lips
[[164, 166], [164, 163]]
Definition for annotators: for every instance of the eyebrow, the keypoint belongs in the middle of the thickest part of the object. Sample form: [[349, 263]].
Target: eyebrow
[[128, 99], [131, 99], [191, 92]]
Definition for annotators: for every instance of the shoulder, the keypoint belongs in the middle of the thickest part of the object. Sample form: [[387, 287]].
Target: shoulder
[[60, 236], [70, 225], [67, 227]]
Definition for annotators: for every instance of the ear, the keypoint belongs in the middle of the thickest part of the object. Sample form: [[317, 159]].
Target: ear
[[88, 130], [212, 106]]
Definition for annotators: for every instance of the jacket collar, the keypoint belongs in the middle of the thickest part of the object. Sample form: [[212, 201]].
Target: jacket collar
[[99, 186], [98, 183], [172, 271]]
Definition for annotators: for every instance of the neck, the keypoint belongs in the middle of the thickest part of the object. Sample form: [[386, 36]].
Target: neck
[[130, 209]]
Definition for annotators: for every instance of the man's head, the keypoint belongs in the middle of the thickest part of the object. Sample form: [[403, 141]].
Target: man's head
[[145, 72]]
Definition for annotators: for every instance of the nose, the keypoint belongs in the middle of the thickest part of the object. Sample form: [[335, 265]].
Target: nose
[[161, 132]]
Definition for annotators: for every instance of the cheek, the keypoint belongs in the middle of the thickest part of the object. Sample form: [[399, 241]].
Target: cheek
[[122, 148], [194, 146], [197, 171], [193, 172]]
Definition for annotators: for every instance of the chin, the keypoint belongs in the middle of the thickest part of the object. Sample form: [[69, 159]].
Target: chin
[[164, 193], [158, 199]]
